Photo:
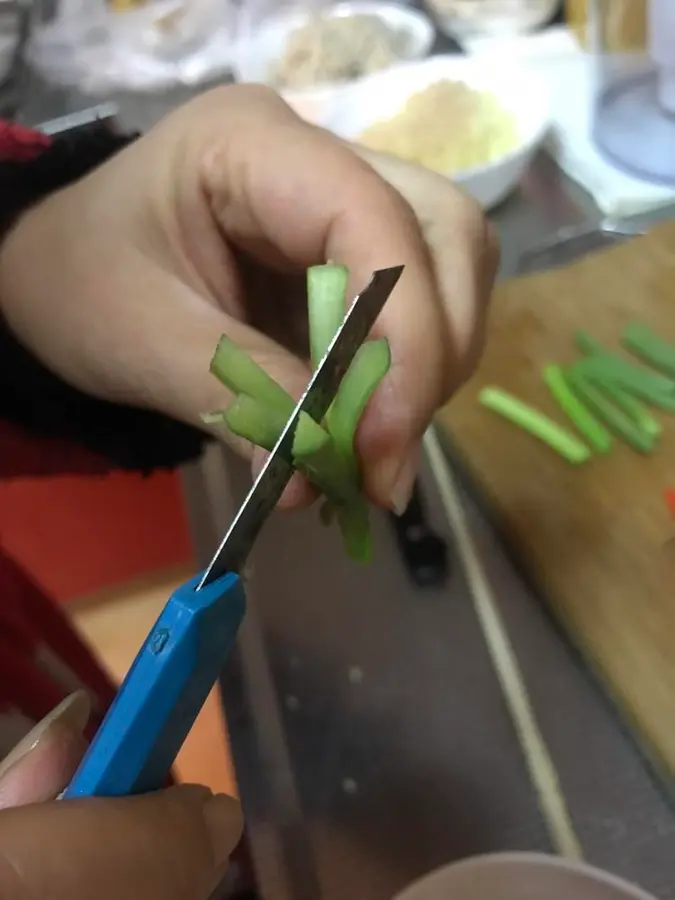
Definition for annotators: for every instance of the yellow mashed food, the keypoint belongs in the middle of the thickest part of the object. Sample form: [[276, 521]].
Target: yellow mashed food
[[447, 127]]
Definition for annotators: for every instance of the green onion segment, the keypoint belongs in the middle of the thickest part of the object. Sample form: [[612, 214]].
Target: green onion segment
[[536, 424], [596, 434], [643, 343], [323, 452], [610, 414]]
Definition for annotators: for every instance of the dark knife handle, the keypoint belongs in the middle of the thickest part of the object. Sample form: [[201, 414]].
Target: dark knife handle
[[424, 552]]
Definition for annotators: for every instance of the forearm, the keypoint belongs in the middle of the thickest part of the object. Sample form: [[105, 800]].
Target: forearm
[[77, 432]]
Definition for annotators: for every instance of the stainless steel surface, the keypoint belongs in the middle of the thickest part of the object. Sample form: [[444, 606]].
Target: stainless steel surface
[[274, 476], [104, 112]]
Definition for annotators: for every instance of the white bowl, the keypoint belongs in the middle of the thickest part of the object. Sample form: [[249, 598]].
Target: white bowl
[[521, 876], [256, 53], [349, 110], [495, 18]]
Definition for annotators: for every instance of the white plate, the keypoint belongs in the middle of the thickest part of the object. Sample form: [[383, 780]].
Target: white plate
[[255, 54], [349, 110]]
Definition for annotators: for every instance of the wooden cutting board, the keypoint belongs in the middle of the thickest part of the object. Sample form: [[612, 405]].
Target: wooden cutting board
[[598, 540]]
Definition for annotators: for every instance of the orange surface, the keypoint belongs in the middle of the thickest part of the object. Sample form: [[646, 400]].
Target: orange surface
[[78, 535], [205, 756]]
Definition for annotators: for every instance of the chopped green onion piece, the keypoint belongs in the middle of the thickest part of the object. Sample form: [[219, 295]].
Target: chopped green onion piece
[[588, 344], [631, 377], [641, 341], [354, 522], [234, 368], [633, 408], [654, 389], [611, 415], [314, 452], [535, 423], [327, 306], [595, 433], [262, 407], [262, 425], [368, 368]]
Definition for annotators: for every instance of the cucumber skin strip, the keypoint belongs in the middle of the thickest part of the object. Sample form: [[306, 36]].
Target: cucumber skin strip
[[583, 419], [536, 424]]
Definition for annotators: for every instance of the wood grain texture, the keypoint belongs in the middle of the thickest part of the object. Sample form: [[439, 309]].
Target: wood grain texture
[[597, 540]]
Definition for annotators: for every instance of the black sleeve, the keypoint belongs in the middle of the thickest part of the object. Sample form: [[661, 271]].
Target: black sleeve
[[34, 399]]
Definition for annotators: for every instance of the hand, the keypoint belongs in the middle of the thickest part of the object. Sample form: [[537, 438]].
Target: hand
[[172, 845], [123, 283]]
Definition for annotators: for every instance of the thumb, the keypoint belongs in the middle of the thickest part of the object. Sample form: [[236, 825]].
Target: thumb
[[42, 764], [171, 845]]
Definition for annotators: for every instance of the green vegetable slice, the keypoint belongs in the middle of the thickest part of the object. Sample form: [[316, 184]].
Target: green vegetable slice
[[326, 306], [370, 365], [652, 388], [595, 433], [588, 344], [535, 423], [633, 408], [611, 415], [262, 425], [326, 287], [354, 522], [325, 455], [314, 453], [234, 368], [641, 341]]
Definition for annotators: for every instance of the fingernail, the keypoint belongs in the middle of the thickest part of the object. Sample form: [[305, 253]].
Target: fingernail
[[72, 714], [403, 482], [224, 823]]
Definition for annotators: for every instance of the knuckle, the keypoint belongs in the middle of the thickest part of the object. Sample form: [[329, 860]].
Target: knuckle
[[473, 221], [481, 241], [237, 99]]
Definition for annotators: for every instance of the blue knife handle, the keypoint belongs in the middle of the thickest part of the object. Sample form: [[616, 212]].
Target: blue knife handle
[[176, 668]]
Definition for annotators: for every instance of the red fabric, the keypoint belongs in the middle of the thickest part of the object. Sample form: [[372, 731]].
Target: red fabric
[[42, 660], [19, 144]]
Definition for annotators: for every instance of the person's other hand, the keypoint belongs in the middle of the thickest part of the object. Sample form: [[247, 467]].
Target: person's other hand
[[123, 283], [171, 845]]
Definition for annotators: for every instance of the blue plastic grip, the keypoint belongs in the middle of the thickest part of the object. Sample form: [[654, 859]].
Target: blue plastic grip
[[171, 677]]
